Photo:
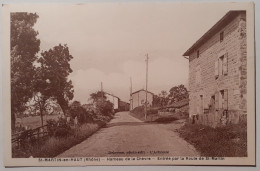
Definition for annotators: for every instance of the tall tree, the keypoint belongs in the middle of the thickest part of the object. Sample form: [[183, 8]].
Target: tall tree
[[24, 47], [178, 93], [163, 98], [97, 96], [56, 68]]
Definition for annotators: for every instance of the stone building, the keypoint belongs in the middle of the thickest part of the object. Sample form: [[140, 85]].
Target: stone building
[[218, 71], [138, 98]]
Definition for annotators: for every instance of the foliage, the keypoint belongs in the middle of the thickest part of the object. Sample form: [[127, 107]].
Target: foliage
[[58, 128], [53, 146], [24, 47], [178, 93], [161, 99], [104, 107], [55, 69], [77, 110], [228, 141], [97, 96]]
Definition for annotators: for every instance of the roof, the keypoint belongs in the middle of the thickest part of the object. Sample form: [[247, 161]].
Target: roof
[[142, 90], [213, 30], [111, 95]]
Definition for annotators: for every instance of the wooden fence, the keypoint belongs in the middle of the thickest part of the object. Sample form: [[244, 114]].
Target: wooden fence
[[29, 136]]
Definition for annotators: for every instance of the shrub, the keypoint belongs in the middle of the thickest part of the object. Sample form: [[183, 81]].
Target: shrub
[[217, 142], [58, 128]]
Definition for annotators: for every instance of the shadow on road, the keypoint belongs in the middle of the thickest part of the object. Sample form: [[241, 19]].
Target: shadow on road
[[128, 124]]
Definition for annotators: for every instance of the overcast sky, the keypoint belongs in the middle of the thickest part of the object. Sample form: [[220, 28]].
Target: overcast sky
[[109, 41]]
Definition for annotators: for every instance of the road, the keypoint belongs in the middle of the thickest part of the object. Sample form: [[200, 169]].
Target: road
[[127, 136]]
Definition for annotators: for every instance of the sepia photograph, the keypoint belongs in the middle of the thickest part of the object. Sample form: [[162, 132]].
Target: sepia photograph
[[143, 83]]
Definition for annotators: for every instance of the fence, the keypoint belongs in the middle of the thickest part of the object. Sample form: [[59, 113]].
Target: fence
[[29, 136]]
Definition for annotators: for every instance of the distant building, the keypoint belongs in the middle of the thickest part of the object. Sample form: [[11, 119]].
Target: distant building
[[138, 98], [124, 106], [218, 69], [113, 99]]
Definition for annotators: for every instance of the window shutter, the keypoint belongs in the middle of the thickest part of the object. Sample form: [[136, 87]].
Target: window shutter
[[226, 99], [225, 63], [216, 69], [217, 100]]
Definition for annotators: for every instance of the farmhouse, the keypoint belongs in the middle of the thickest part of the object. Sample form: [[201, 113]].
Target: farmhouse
[[113, 99], [138, 98], [218, 72]]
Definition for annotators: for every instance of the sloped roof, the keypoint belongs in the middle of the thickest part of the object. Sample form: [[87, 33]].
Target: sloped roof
[[142, 90], [213, 30]]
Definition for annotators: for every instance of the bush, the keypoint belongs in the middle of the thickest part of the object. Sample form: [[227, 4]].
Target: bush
[[58, 128], [56, 145], [105, 107], [228, 141]]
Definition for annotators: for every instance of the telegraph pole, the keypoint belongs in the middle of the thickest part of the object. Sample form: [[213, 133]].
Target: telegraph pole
[[146, 60], [131, 100], [102, 91]]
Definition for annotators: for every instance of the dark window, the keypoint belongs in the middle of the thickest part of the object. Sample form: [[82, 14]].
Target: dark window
[[221, 36], [198, 53]]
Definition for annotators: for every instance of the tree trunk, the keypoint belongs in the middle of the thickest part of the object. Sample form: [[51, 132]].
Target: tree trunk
[[41, 113]]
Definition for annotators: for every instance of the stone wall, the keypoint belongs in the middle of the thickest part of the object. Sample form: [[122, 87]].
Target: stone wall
[[234, 46], [220, 118]]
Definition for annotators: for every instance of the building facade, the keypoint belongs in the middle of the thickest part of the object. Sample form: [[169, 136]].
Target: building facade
[[124, 106], [218, 68], [113, 99], [138, 98]]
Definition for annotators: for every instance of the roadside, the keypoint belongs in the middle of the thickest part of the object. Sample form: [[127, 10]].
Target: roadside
[[127, 136], [226, 141]]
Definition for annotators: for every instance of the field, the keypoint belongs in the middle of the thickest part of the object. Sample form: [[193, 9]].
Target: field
[[34, 121]]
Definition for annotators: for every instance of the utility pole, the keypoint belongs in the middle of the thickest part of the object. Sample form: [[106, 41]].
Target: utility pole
[[131, 100], [145, 112], [102, 91]]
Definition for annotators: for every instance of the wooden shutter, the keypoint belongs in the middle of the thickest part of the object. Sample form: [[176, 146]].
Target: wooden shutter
[[226, 99], [225, 64], [217, 100], [216, 69]]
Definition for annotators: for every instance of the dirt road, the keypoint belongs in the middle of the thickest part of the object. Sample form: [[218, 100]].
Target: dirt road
[[128, 136]]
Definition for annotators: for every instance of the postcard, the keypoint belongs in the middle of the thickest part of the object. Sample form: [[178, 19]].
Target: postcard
[[140, 83]]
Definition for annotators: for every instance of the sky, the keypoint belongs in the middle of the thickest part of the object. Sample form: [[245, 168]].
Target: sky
[[108, 42]]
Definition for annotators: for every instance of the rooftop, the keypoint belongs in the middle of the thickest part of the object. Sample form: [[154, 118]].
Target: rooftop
[[213, 30], [141, 90]]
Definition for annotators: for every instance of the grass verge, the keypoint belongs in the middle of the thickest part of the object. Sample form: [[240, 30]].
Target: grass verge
[[228, 141], [53, 146]]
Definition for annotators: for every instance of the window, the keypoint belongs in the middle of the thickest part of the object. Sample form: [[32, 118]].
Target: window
[[221, 36], [212, 103], [201, 104], [221, 66], [198, 53], [221, 59], [223, 99]]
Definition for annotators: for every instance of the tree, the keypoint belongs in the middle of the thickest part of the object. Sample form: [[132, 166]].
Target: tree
[[156, 101], [55, 67], [98, 95], [103, 106], [77, 110], [178, 93], [24, 47], [163, 98]]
